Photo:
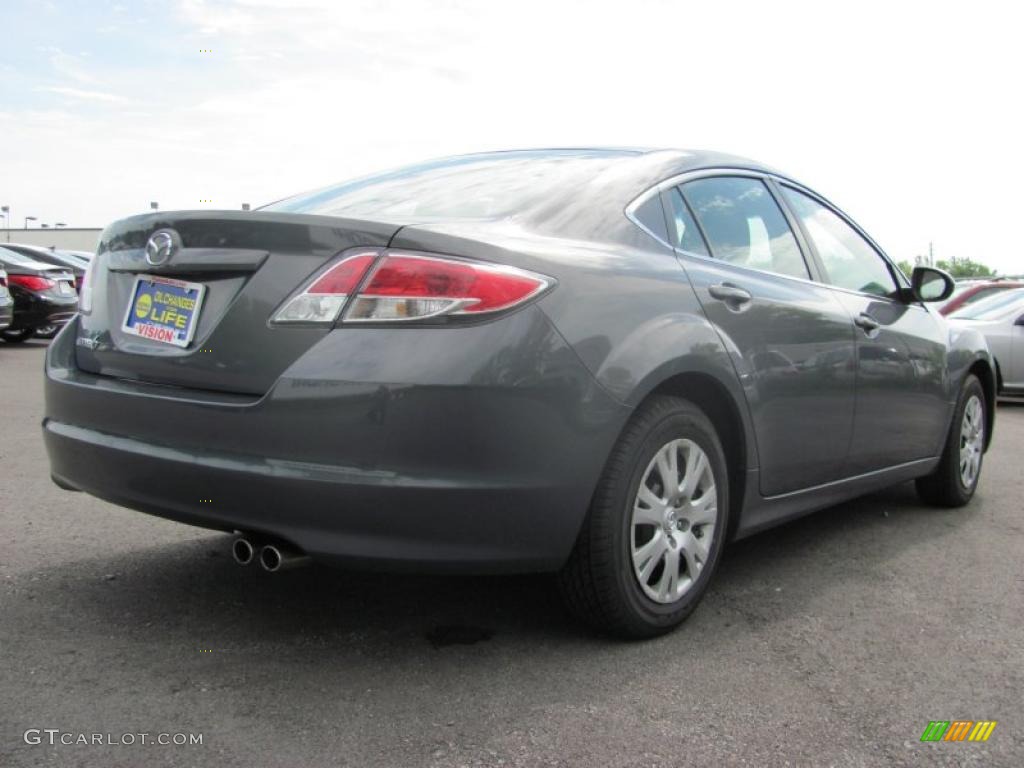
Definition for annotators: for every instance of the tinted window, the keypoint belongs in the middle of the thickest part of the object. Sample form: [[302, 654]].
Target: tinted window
[[848, 258], [11, 257], [686, 236], [651, 218], [744, 225]]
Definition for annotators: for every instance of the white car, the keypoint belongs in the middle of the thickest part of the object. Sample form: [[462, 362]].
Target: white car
[[1001, 319]]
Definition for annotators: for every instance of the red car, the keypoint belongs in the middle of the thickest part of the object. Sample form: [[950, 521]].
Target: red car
[[968, 293]]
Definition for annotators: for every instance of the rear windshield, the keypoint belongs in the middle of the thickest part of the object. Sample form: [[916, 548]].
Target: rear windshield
[[70, 259], [22, 261], [993, 307], [496, 185]]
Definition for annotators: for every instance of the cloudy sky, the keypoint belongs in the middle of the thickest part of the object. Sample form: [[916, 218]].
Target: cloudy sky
[[908, 115]]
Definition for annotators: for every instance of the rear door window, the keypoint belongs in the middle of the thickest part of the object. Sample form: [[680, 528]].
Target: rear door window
[[686, 235], [744, 225]]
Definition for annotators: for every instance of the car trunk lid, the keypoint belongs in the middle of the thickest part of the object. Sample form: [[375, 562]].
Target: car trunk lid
[[239, 266]]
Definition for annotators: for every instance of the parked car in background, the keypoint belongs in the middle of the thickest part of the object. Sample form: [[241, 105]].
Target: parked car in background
[[85, 256], [1000, 319], [600, 362], [44, 295], [968, 292], [54, 256], [58, 258], [6, 302]]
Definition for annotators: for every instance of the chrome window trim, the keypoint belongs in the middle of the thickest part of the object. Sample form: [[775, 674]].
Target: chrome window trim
[[681, 178], [753, 270], [897, 273], [701, 173], [630, 212]]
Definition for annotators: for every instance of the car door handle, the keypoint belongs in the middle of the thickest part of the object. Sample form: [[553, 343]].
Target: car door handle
[[734, 296], [866, 322]]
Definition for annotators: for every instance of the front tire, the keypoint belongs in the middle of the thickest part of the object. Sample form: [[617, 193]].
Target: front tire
[[955, 480], [656, 526]]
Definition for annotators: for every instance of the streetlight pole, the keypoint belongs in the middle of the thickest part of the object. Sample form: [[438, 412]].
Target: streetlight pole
[[6, 211], [28, 219]]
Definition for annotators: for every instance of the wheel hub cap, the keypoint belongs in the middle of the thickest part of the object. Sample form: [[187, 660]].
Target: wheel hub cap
[[972, 441], [673, 522]]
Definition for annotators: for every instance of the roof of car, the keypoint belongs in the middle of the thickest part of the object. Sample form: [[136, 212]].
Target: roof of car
[[602, 177], [635, 168], [672, 160]]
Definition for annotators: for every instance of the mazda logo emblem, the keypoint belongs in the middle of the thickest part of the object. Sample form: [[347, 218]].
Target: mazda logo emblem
[[161, 245]]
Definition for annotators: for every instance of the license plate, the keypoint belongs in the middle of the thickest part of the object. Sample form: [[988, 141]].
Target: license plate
[[164, 310]]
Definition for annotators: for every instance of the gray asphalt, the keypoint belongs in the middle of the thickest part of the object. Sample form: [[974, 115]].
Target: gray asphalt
[[833, 640]]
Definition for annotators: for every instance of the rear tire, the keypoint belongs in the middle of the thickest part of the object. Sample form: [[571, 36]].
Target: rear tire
[[17, 336], [955, 480], [649, 547]]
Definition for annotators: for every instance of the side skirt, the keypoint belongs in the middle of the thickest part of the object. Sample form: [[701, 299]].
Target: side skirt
[[764, 512]]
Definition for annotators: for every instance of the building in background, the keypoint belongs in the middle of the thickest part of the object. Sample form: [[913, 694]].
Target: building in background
[[72, 239]]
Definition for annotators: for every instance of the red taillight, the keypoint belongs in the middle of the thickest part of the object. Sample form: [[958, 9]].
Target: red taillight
[[343, 277], [410, 286], [31, 282], [322, 300]]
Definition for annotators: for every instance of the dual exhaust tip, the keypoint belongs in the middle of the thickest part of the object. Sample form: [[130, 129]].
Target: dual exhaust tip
[[272, 557]]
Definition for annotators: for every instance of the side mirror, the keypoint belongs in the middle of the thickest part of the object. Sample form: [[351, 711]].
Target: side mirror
[[931, 284]]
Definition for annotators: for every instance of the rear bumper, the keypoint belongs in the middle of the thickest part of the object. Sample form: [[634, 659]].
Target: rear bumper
[[33, 311], [488, 472]]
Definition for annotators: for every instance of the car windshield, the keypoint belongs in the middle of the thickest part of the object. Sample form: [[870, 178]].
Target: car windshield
[[494, 185], [993, 307]]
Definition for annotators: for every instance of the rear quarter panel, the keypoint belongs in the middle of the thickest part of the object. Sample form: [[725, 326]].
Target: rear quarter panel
[[624, 305]]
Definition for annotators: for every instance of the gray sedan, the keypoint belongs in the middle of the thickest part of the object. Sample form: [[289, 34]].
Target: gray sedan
[[602, 363], [1000, 319]]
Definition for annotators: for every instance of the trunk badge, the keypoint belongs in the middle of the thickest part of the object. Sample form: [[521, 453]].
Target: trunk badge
[[161, 245]]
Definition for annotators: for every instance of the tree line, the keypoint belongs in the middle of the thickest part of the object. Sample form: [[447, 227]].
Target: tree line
[[956, 267]]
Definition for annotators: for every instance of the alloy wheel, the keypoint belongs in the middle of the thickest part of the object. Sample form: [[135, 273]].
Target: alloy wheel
[[673, 521], [972, 440]]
